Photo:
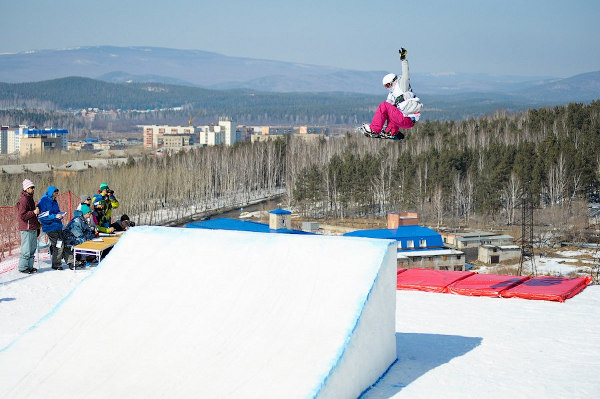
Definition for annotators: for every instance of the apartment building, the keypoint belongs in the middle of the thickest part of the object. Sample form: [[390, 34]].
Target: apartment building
[[154, 136], [24, 140]]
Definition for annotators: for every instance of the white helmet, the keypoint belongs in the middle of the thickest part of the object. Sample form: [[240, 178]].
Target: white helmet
[[389, 78]]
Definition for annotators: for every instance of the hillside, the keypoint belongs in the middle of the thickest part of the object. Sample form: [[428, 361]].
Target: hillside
[[216, 71], [258, 107]]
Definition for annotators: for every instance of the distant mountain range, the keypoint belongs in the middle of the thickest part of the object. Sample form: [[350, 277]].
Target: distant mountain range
[[215, 71]]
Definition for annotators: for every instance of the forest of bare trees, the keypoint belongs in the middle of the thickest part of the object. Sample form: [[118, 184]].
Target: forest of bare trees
[[156, 190], [449, 172]]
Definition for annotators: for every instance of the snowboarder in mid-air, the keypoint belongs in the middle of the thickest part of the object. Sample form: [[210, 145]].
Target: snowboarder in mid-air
[[400, 110]]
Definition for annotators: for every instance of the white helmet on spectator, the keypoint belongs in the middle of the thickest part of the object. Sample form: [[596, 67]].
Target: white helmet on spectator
[[389, 79]]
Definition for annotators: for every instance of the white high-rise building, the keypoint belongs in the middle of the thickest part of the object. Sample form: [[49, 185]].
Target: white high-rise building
[[223, 133]]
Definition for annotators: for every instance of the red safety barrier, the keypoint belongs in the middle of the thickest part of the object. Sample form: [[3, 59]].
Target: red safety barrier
[[10, 236], [428, 280], [548, 288], [492, 285], [485, 284]]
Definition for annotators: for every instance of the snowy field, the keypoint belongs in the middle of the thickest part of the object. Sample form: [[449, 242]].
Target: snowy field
[[188, 313], [453, 346], [448, 346], [565, 263]]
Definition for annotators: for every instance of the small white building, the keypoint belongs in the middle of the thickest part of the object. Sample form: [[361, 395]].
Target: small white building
[[471, 242], [311, 227], [492, 254], [474, 239]]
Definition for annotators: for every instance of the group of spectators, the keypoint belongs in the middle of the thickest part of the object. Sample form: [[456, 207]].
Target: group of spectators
[[92, 217]]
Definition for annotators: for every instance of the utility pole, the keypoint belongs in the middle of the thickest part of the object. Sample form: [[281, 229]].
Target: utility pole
[[527, 255], [595, 269]]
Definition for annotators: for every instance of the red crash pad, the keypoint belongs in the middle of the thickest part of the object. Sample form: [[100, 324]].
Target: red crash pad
[[548, 288], [428, 280], [485, 284]]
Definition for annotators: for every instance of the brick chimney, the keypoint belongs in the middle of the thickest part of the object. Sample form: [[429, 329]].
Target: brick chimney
[[402, 219]]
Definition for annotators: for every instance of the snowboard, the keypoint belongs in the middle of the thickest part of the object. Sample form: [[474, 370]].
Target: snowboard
[[399, 136]]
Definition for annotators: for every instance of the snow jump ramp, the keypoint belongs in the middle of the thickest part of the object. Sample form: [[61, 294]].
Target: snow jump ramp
[[191, 313]]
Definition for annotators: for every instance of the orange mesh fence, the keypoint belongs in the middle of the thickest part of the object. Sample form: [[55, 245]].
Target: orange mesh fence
[[10, 236]]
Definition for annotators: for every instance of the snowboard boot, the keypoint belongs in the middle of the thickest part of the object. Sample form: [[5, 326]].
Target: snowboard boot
[[366, 130]]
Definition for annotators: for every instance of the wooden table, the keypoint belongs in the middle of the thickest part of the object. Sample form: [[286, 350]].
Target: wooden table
[[94, 247]]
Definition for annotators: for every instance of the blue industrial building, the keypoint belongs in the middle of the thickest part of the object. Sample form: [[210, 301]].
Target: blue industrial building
[[418, 246], [240, 225], [61, 133], [278, 222], [408, 237]]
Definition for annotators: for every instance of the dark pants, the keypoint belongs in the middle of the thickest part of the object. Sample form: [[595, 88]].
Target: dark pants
[[59, 249]]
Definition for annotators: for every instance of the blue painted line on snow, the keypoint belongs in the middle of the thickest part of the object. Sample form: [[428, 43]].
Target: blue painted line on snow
[[317, 390], [379, 379], [52, 311]]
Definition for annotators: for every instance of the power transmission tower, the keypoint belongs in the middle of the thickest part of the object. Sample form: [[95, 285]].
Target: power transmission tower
[[595, 269], [527, 255]]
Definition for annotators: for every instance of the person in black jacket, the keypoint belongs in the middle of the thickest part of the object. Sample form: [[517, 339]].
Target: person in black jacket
[[123, 224]]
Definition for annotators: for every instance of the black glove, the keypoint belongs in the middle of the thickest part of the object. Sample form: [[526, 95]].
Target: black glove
[[402, 53]]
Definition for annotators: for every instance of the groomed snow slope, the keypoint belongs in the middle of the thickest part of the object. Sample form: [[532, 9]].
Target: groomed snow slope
[[196, 313]]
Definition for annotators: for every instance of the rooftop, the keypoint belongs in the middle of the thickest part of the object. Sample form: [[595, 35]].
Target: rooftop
[[395, 234], [239, 225], [428, 252], [486, 237]]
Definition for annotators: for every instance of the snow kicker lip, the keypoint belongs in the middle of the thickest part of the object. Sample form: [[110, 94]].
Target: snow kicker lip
[[298, 316]]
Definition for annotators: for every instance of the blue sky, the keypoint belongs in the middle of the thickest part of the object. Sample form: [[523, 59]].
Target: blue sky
[[530, 38]]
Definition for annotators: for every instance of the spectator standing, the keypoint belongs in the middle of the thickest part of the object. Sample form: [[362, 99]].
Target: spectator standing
[[51, 218], [29, 227], [105, 199], [99, 216]]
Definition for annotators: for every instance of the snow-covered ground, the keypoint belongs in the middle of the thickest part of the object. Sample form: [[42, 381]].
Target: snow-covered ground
[[453, 346], [563, 263], [182, 313], [448, 346]]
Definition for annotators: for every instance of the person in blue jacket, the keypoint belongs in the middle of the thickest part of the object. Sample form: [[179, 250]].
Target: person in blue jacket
[[51, 217], [78, 230]]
